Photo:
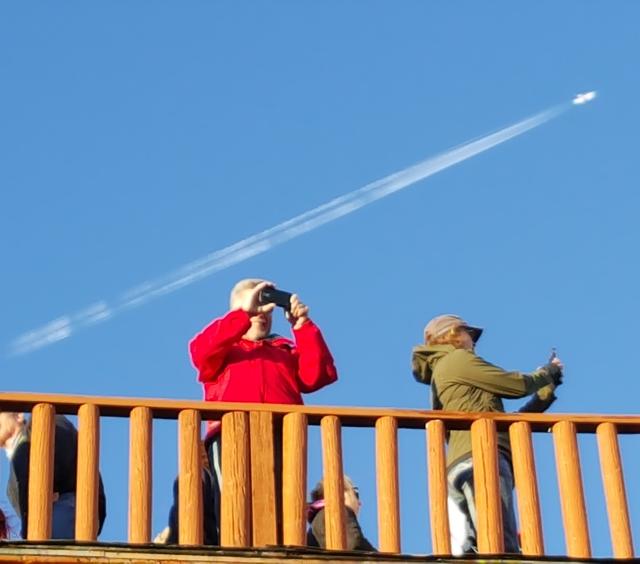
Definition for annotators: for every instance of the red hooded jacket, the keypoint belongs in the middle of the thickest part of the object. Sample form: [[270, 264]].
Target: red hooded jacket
[[272, 370]]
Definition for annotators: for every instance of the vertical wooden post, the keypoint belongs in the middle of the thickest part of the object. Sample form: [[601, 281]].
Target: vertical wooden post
[[236, 487], [388, 495], [486, 481], [613, 480], [524, 473], [438, 510], [41, 472], [574, 511], [333, 481], [190, 530], [294, 479], [140, 475], [87, 474], [263, 487]]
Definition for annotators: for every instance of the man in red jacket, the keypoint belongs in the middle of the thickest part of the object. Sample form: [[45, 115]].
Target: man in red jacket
[[239, 360]]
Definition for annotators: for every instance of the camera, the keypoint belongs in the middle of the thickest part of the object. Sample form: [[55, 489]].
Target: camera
[[272, 296]]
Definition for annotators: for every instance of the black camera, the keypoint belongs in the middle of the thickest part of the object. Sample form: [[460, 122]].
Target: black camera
[[272, 296]]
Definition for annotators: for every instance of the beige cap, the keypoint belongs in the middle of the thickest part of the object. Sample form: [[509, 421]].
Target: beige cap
[[442, 324]]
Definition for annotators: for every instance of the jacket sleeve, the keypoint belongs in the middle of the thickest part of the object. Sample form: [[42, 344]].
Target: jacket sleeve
[[20, 463], [317, 530], [419, 365], [472, 370], [355, 537], [102, 504], [540, 401], [210, 347], [315, 363]]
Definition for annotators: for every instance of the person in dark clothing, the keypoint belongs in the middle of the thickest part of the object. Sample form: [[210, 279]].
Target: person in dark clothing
[[15, 438], [316, 534], [169, 535]]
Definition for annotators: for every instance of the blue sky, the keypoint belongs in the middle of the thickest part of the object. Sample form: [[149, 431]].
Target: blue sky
[[139, 136]]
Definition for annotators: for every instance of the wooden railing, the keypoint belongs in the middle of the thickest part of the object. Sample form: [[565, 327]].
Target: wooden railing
[[248, 460]]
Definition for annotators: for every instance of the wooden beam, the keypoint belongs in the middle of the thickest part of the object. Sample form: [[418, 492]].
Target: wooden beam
[[438, 489], [614, 490], [486, 487], [349, 416], [236, 481], [294, 479], [524, 474], [190, 531], [333, 481], [140, 477], [263, 485], [574, 510], [41, 452], [388, 487], [88, 480]]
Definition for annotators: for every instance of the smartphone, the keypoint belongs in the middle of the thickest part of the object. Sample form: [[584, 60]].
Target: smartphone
[[279, 297]]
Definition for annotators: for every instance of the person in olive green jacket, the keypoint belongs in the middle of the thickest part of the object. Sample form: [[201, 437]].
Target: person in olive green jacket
[[462, 381]]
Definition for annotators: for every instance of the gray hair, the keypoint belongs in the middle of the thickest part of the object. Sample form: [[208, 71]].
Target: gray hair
[[318, 492], [245, 284]]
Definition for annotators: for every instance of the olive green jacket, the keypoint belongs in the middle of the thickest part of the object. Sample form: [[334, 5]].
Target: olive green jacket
[[462, 381]]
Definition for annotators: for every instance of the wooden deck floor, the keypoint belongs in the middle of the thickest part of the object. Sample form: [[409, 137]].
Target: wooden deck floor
[[95, 553]]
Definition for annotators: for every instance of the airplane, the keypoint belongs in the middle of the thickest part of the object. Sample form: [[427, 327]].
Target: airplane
[[584, 97]]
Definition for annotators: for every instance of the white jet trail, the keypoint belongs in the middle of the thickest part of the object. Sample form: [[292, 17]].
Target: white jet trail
[[67, 325]]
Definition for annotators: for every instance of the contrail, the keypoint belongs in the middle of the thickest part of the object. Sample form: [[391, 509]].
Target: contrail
[[67, 325]]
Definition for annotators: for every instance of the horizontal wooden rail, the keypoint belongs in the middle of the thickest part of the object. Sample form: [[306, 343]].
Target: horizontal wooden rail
[[349, 416]]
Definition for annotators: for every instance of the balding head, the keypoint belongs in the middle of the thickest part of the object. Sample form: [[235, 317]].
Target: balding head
[[239, 288]]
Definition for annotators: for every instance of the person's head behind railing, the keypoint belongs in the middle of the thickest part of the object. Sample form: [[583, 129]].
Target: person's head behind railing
[[11, 425], [351, 495], [354, 537]]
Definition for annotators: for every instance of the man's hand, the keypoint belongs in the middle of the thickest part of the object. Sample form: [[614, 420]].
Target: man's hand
[[250, 300], [558, 362], [554, 369], [299, 313]]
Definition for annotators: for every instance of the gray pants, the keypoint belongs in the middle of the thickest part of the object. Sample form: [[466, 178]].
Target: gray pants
[[462, 507]]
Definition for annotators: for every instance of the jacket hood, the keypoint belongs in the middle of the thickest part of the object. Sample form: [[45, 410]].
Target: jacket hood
[[425, 358]]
